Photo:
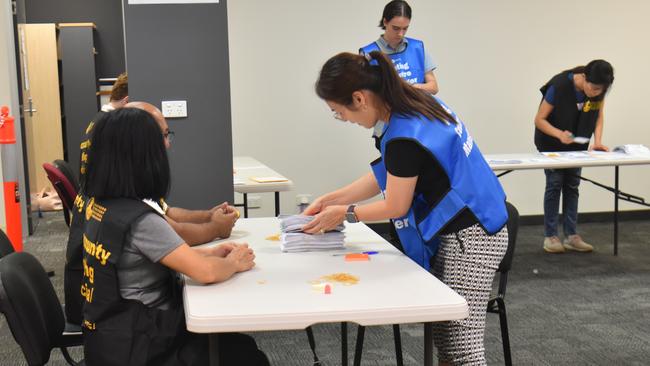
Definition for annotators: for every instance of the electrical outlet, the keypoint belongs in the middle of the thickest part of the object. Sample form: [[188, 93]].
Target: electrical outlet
[[303, 199], [254, 201], [174, 108]]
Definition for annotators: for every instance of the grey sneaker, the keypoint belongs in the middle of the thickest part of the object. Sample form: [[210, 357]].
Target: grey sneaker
[[552, 244], [575, 242]]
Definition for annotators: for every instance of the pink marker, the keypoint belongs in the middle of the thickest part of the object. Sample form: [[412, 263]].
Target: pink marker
[[328, 289]]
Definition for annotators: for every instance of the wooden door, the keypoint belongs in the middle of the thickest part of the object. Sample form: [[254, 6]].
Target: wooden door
[[41, 100]]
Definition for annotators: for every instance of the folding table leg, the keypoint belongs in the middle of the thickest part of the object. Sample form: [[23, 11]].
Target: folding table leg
[[398, 345], [245, 205], [428, 344], [213, 344], [344, 344]]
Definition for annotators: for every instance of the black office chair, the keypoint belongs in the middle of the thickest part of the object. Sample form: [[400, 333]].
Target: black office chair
[[66, 169], [7, 248], [497, 304], [33, 311]]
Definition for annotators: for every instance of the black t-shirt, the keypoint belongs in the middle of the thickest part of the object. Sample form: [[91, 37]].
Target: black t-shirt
[[407, 158]]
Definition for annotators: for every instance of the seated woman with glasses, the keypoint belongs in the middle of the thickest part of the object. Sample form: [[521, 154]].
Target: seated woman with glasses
[[133, 311]]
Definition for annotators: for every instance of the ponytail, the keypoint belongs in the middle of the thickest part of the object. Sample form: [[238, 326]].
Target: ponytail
[[346, 73]]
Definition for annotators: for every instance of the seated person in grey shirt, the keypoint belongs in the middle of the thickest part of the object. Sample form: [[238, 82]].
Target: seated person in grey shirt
[[133, 312], [194, 226]]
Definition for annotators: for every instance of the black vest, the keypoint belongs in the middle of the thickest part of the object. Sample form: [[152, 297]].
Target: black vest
[[567, 116], [119, 331], [73, 263]]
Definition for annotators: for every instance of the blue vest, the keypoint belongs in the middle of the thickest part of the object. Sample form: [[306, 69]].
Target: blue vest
[[473, 184], [408, 63]]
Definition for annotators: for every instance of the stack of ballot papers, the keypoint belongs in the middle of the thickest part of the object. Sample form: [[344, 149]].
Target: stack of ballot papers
[[633, 149], [294, 240]]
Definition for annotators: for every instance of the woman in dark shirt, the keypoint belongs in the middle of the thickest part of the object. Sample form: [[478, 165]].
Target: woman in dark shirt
[[571, 110]]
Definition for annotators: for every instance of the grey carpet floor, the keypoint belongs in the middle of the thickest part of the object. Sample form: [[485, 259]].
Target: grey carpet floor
[[568, 309]]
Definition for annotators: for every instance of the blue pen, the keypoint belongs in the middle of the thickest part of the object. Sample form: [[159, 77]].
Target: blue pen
[[370, 252]]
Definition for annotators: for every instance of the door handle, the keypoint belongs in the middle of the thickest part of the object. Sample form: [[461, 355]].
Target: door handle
[[31, 109]]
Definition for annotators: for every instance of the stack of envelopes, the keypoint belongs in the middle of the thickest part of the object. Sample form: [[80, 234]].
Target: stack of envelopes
[[294, 240]]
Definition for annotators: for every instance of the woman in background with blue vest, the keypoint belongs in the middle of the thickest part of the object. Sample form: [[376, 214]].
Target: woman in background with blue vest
[[571, 110], [435, 184], [133, 312], [411, 61]]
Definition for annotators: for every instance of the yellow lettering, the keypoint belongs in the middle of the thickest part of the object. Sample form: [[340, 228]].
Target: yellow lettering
[[89, 325], [87, 293], [89, 246], [79, 202], [105, 255], [592, 106], [96, 250], [89, 271]]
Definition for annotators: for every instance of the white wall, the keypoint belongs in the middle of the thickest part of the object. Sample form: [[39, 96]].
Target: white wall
[[9, 97], [6, 51], [493, 56]]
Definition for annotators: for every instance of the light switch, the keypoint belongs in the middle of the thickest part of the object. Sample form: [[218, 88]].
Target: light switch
[[174, 108]]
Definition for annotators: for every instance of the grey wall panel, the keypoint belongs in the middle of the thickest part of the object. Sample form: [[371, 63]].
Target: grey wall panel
[[79, 87], [180, 52], [106, 14]]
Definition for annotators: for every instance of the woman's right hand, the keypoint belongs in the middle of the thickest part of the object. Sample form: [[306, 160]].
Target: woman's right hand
[[315, 207], [242, 257], [566, 137]]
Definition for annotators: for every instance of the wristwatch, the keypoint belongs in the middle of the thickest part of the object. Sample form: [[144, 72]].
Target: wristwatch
[[350, 216]]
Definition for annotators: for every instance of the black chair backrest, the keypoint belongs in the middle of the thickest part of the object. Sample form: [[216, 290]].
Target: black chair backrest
[[6, 247], [65, 168], [32, 309], [513, 227]]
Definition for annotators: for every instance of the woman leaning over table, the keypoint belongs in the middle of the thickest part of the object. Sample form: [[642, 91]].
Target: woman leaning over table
[[435, 183], [571, 107]]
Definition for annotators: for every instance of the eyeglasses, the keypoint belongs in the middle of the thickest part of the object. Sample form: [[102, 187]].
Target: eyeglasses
[[337, 115], [169, 135]]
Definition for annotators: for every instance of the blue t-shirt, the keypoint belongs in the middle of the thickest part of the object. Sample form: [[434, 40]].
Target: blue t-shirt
[[549, 97]]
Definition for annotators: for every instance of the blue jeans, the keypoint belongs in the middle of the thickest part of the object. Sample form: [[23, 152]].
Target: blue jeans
[[563, 182]]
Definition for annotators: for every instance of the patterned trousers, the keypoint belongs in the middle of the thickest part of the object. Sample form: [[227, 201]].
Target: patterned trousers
[[467, 261]]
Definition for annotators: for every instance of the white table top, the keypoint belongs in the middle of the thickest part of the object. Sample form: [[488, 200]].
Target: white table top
[[559, 160], [247, 167], [279, 293]]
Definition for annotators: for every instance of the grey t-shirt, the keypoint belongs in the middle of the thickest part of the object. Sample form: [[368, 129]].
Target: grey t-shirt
[[429, 64], [139, 274]]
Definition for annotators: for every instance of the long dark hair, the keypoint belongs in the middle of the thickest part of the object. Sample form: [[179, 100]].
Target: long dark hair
[[395, 8], [599, 72], [346, 73], [127, 157]]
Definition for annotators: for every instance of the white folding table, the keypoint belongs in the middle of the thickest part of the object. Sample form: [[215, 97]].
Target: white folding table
[[507, 163], [279, 292], [247, 168]]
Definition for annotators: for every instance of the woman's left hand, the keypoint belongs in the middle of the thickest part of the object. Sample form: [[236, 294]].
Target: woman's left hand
[[223, 250], [328, 219], [599, 147]]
